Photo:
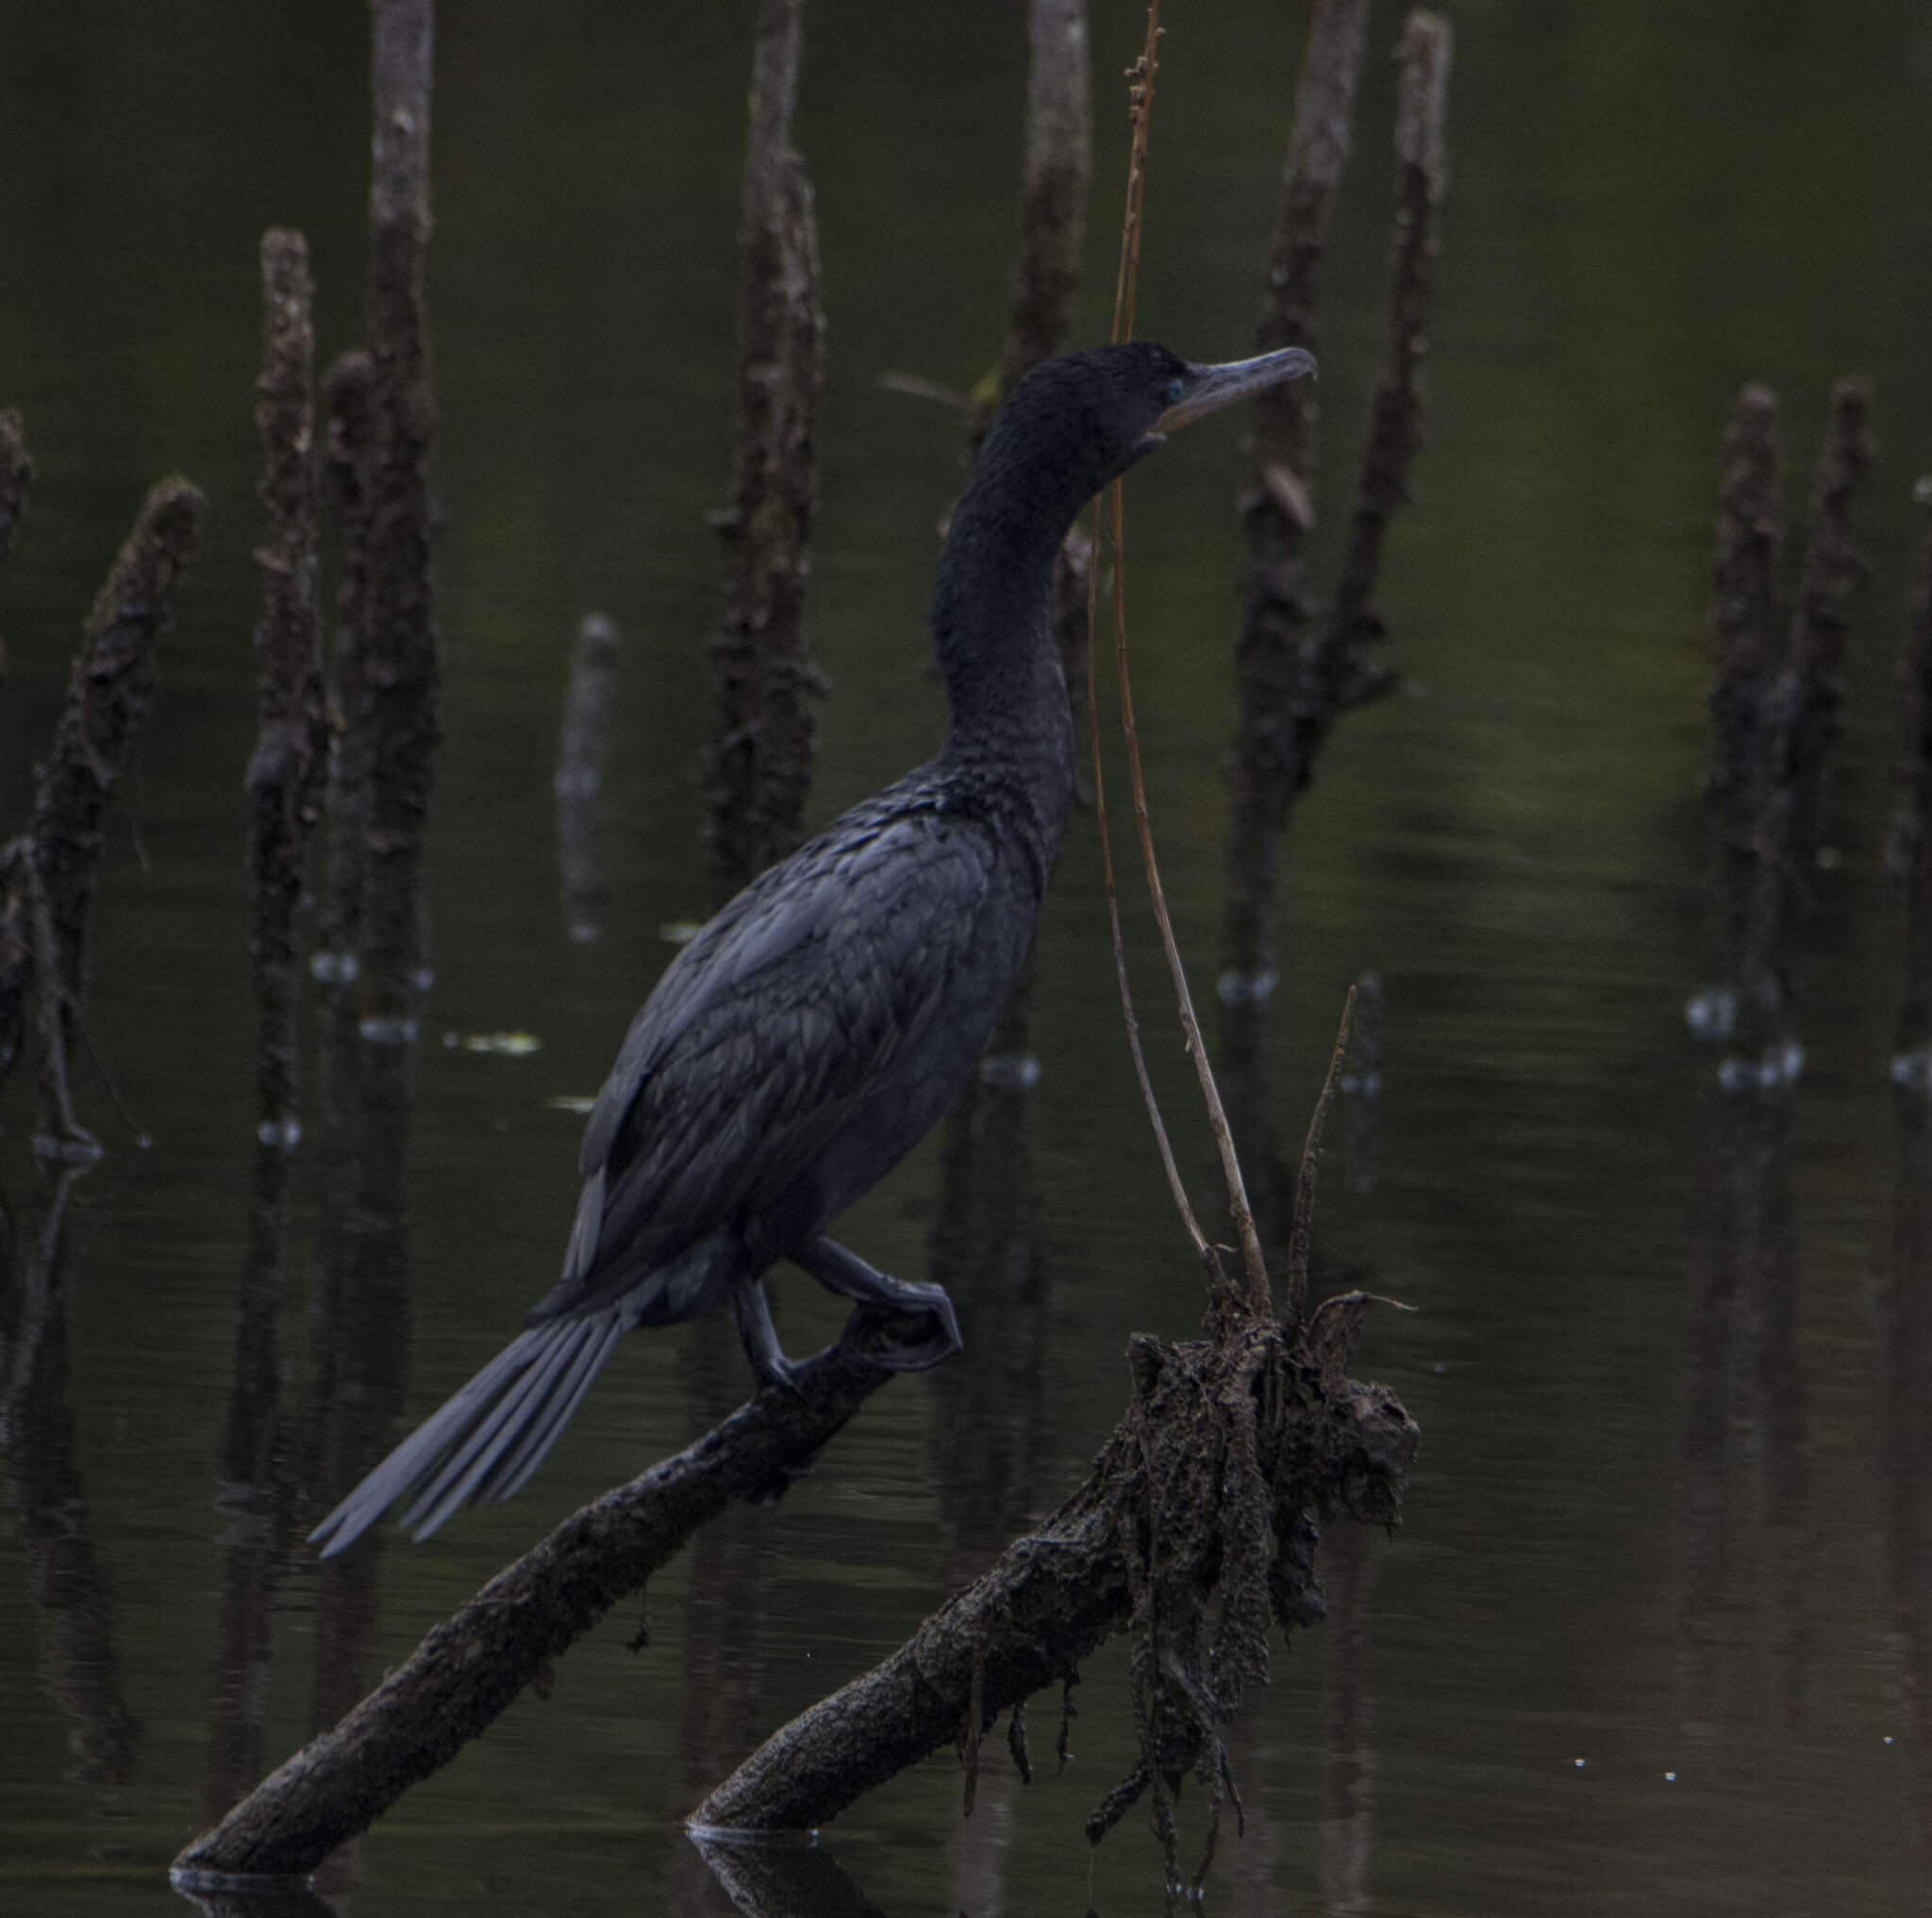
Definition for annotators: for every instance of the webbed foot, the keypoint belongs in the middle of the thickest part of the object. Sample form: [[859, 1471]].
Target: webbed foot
[[914, 1332]]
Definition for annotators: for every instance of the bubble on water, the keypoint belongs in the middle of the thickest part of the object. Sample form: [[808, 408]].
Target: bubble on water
[[1238, 988], [1712, 1014], [1009, 1071]]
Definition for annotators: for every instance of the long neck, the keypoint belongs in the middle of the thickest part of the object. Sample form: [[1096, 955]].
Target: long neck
[[992, 628]]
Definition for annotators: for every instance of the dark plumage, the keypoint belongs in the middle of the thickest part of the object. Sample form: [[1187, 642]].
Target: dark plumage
[[810, 1036]]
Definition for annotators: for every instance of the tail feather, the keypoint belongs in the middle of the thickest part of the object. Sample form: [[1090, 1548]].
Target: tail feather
[[516, 1469], [459, 1472], [484, 1442]]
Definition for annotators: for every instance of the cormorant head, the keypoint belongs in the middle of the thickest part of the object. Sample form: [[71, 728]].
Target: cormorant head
[[1087, 417]]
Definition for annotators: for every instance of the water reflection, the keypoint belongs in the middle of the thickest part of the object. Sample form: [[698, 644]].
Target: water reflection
[[70, 1587], [1346, 1842], [783, 1881], [358, 1345], [720, 1721], [1904, 1312], [580, 774], [1744, 1544], [287, 1901], [254, 1498], [992, 1448]]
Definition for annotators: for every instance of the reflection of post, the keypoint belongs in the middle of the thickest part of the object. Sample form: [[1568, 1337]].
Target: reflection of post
[[1703, 1516], [580, 771], [252, 1501], [1771, 1303], [1747, 1291], [1348, 1571], [766, 1880], [1905, 1339], [69, 1588], [992, 1442], [718, 1715], [989, 1250], [360, 1334], [291, 1900]]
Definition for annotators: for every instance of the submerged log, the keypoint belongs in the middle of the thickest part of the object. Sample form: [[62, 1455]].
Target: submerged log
[[1216, 1481], [468, 1670]]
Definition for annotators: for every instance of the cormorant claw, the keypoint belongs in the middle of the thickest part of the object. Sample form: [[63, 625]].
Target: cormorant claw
[[877, 1331]]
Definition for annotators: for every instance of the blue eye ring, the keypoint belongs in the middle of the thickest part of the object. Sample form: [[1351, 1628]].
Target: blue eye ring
[[1175, 387]]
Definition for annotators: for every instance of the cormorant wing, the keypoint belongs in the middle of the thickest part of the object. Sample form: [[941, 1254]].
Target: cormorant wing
[[765, 1036]]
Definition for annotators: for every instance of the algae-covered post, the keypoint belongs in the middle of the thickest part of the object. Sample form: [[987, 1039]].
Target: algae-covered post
[[1056, 169], [1053, 194], [16, 475], [1833, 575], [346, 402], [285, 776], [1346, 674], [581, 771], [399, 651], [51, 868], [1276, 499], [1045, 279], [283, 785], [1802, 721], [1908, 844], [1744, 652], [764, 680]]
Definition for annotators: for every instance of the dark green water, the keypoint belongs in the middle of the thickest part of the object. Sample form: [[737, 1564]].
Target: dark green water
[[1677, 1543]]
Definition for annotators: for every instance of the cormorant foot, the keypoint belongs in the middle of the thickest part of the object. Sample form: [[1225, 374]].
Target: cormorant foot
[[778, 1373], [889, 1334]]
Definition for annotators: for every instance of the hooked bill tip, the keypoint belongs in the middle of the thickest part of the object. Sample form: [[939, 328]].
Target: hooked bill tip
[[1214, 387]]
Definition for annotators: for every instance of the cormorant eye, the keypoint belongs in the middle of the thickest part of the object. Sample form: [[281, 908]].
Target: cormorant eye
[[1175, 387]]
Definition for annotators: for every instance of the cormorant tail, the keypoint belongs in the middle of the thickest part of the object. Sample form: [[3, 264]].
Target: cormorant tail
[[486, 1440]]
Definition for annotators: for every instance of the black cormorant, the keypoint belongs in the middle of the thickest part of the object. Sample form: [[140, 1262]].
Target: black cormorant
[[810, 1036]]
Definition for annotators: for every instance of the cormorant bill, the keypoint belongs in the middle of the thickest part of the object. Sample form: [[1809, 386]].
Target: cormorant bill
[[811, 1035]]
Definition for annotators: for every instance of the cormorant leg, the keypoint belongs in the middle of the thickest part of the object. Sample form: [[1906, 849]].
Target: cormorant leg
[[880, 1300], [769, 1363]]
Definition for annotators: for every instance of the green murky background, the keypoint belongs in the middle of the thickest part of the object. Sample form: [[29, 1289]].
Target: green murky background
[[1628, 1543]]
